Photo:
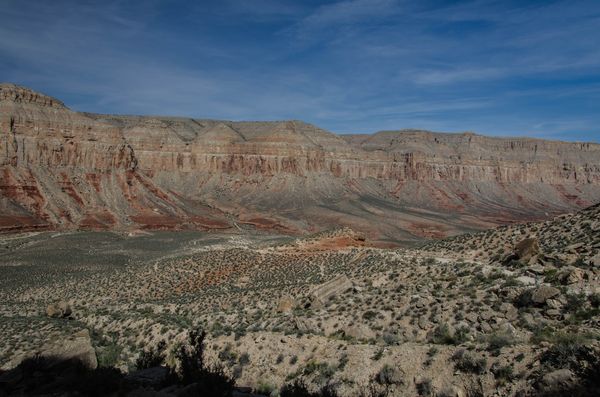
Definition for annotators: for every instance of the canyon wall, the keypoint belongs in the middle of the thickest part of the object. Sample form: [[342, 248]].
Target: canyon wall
[[63, 169]]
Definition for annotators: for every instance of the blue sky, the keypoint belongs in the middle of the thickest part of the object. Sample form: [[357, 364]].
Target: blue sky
[[352, 66]]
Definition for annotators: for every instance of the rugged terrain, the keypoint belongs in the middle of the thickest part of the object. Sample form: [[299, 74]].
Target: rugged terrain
[[64, 170], [513, 311]]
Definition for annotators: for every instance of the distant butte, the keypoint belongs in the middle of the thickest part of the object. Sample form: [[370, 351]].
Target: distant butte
[[61, 169]]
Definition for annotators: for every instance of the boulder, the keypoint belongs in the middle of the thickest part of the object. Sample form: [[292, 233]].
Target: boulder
[[78, 347], [526, 280], [527, 248], [286, 304], [59, 310], [331, 288], [305, 325], [574, 276], [555, 381], [451, 391], [542, 293], [509, 310]]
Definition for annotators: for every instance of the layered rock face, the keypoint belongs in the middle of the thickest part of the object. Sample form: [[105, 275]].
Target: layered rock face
[[63, 169]]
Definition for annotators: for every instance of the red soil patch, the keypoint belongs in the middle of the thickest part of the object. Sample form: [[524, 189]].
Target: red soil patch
[[9, 224], [24, 192], [67, 187], [209, 223], [157, 221], [94, 180], [572, 197], [153, 189], [99, 220], [334, 243], [265, 224]]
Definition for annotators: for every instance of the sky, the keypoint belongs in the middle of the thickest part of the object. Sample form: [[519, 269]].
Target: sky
[[503, 68]]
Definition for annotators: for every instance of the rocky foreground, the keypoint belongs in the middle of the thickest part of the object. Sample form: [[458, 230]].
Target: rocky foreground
[[513, 311], [64, 170]]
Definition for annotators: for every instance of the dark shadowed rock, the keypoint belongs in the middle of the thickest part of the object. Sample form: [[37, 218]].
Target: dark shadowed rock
[[78, 347]]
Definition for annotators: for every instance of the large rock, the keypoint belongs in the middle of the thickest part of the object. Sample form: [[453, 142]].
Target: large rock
[[58, 310], [286, 304], [306, 325], [78, 346], [557, 381], [526, 249], [331, 288], [542, 293]]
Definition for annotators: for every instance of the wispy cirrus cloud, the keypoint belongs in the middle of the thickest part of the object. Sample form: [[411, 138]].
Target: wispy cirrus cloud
[[347, 65]]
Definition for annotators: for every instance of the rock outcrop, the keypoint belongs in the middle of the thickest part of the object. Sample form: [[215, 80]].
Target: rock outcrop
[[63, 169]]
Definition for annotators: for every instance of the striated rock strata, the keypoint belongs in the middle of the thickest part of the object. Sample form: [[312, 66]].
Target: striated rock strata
[[63, 169]]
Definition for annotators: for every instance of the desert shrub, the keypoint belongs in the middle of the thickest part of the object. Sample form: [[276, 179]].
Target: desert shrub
[[299, 389], [568, 354], [442, 335], [227, 355], [467, 362], [369, 315], [264, 387], [497, 341], [390, 339], [343, 361], [460, 335], [594, 300], [575, 302], [151, 358], [192, 370], [244, 359], [503, 373], [109, 355], [523, 299], [378, 354], [424, 387], [389, 375], [322, 371]]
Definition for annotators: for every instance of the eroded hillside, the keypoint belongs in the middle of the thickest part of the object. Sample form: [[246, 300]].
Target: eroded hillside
[[63, 170]]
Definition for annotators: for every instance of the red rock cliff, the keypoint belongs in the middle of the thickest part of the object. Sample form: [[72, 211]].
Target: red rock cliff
[[67, 169]]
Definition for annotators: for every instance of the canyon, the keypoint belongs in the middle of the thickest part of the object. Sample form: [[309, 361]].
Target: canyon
[[65, 170]]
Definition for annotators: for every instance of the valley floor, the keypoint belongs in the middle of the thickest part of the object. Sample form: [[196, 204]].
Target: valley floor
[[511, 311]]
